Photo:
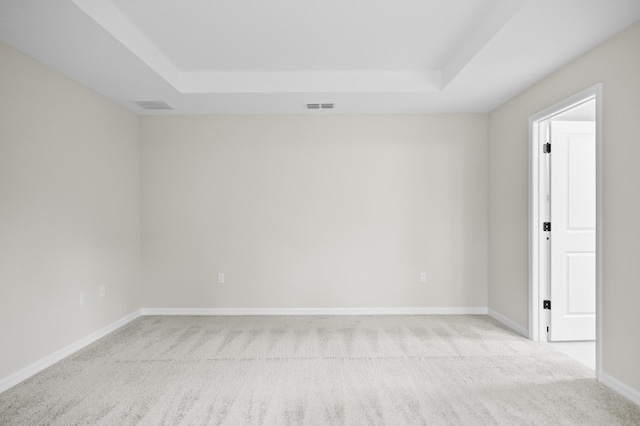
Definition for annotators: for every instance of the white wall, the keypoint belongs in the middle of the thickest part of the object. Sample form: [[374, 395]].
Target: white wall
[[315, 212], [69, 211], [616, 64]]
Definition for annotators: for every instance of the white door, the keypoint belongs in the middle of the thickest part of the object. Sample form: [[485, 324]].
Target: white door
[[573, 226]]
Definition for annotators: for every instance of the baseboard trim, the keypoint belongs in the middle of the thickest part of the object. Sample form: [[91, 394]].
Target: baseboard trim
[[509, 323], [622, 388], [312, 311], [21, 375]]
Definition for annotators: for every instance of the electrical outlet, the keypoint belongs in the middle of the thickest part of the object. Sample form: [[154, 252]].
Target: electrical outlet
[[220, 277], [83, 298], [103, 291], [423, 277]]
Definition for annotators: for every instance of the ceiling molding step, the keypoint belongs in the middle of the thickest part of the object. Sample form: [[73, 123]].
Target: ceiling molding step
[[122, 29], [495, 19], [309, 82]]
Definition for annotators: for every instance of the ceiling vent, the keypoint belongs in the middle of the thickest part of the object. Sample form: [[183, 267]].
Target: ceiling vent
[[152, 105], [319, 106]]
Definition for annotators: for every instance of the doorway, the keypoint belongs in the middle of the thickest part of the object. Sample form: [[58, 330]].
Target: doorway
[[565, 221]]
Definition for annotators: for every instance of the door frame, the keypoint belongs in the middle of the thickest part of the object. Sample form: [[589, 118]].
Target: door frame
[[537, 279]]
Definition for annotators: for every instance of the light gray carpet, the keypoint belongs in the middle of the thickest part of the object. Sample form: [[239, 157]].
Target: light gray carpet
[[365, 370]]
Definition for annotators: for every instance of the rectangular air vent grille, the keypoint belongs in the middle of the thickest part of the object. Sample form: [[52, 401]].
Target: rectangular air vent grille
[[152, 105], [320, 106]]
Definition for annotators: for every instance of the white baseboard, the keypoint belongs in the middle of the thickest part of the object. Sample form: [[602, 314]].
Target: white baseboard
[[313, 311], [509, 323], [622, 388], [38, 366]]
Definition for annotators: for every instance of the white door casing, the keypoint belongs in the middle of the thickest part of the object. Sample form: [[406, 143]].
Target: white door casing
[[573, 231]]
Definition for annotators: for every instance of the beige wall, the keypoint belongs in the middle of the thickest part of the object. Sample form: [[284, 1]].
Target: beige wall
[[616, 64], [69, 211], [315, 212]]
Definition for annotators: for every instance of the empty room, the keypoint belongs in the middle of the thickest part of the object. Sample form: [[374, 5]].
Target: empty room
[[414, 212]]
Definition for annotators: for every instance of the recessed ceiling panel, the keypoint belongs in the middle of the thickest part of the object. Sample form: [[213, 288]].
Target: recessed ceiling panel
[[294, 35]]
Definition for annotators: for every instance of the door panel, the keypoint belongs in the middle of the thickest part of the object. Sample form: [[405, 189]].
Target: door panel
[[580, 268], [573, 222], [581, 182]]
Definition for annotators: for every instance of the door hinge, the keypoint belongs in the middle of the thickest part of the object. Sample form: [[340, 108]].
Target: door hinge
[[546, 304], [546, 148], [546, 226]]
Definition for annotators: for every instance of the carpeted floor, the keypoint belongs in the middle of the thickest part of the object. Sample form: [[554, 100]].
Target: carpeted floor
[[364, 370]]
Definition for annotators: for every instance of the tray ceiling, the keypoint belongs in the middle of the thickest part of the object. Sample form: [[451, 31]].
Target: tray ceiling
[[243, 56]]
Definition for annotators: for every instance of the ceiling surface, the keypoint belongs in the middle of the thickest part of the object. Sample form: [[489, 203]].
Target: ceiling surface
[[364, 56]]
